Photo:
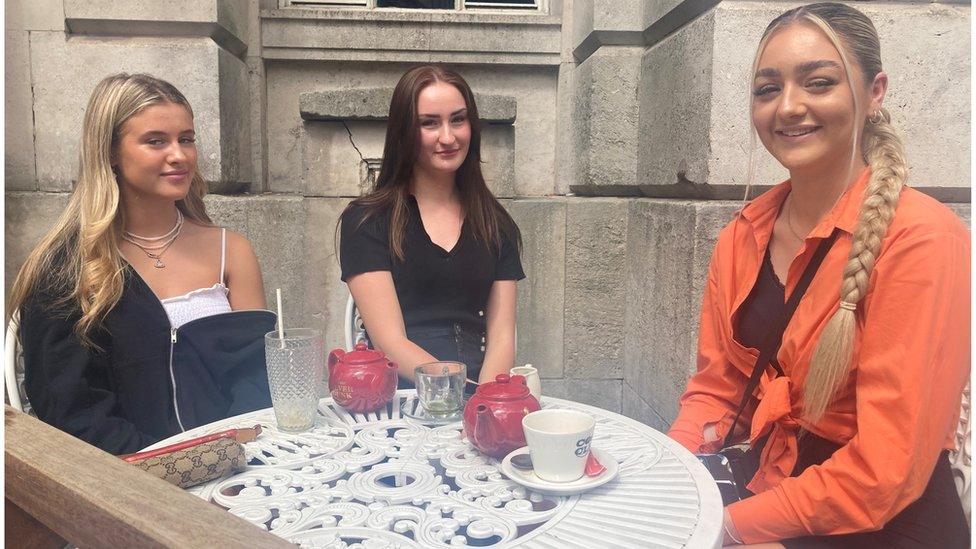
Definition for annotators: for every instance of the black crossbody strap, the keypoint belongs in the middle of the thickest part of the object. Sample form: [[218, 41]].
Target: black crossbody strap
[[775, 337]]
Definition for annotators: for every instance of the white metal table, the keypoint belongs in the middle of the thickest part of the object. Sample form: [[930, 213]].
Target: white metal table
[[383, 480]]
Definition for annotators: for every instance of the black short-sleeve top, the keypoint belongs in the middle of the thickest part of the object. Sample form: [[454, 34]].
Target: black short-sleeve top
[[435, 287]]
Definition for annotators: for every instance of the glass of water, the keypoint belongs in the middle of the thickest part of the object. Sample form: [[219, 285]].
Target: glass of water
[[440, 387], [294, 375]]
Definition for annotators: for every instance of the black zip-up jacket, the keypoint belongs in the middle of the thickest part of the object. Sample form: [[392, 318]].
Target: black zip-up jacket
[[147, 382]]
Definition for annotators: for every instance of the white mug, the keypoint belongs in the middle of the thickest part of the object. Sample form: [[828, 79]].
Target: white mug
[[559, 442], [531, 379]]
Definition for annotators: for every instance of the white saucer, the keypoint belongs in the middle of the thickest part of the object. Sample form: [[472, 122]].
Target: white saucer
[[530, 480]]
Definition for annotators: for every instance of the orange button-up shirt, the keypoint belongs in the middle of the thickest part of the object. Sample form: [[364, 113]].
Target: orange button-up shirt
[[900, 403]]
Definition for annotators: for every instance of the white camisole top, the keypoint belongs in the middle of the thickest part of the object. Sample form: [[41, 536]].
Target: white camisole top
[[202, 302]]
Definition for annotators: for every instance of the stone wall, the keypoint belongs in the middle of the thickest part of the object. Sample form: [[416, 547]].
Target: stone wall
[[618, 132]]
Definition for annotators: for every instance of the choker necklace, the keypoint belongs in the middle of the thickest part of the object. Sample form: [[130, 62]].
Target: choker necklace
[[157, 249], [179, 222]]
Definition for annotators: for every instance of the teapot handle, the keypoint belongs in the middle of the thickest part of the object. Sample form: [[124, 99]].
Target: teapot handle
[[334, 357]]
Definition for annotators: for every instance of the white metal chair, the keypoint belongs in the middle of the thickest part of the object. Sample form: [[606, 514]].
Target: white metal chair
[[13, 368], [355, 330], [961, 459]]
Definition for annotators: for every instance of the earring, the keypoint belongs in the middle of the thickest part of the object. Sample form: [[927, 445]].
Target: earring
[[876, 117]]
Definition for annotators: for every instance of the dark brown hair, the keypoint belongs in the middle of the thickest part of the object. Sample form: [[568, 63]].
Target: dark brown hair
[[483, 214]]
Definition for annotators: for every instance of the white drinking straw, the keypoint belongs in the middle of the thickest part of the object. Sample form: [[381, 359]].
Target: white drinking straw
[[281, 324]]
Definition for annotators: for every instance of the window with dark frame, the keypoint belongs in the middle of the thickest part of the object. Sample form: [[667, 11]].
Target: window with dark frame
[[533, 5]]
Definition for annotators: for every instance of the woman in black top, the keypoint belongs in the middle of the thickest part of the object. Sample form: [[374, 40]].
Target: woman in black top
[[430, 256]]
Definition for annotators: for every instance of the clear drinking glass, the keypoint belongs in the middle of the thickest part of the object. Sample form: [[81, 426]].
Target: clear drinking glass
[[294, 376], [440, 387]]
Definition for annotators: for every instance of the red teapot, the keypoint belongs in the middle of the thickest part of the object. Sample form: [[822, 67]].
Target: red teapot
[[362, 380], [493, 415]]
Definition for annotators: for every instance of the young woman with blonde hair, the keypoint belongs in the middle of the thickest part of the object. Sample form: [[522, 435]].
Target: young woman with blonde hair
[[430, 256], [853, 416], [124, 305]]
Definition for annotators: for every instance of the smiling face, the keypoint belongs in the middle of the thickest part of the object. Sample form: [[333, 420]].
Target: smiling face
[[803, 107], [156, 155], [445, 130]]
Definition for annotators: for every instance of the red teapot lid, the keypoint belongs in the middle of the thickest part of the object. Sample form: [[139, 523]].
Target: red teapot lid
[[504, 387], [362, 355]]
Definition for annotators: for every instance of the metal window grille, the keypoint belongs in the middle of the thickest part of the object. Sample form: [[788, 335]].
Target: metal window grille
[[328, 3], [502, 4]]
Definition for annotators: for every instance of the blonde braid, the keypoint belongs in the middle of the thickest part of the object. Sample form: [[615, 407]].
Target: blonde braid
[[884, 153]]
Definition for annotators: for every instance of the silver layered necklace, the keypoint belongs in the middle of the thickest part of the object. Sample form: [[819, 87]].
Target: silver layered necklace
[[155, 246]]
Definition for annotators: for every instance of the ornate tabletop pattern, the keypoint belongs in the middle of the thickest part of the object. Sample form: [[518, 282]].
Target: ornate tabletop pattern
[[382, 480]]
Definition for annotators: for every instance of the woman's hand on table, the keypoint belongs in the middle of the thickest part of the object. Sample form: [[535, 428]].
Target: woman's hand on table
[[731, 534], [710, 433]]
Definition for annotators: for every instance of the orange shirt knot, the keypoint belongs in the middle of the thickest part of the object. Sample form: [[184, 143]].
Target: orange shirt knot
[[773, 417]]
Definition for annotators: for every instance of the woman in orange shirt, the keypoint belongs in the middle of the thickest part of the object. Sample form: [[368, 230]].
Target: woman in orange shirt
[[851, 437]]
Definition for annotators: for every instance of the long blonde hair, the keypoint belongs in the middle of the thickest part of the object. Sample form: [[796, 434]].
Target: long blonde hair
[[855, 38], [78, 263]]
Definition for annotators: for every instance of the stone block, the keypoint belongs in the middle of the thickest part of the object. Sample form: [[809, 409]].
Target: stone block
[[28, 216], [596, 291], [661, 18], [19, 113], [661, 319], [711, 59], [655, 10], [276, 227], [602, 393], [347, 104], [374, 104], [675, 85], [498, 159], [257, 112], [606, 121], [65, 71], [291, 28], [601, 23], [292, 142], [581, 23], [33, 15], [411, 36], [225, 21], [146, 10], [670, 243], [567, 168], [540, 295], [964, 211], [534, 89], [234, 103], [335, 156], [324, 293], [618, 15], [254, 25], [634, 407], [533, 39], [566, 44]]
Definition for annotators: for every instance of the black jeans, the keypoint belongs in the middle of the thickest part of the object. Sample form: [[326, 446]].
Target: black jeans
[[451, 342], [935, 520]]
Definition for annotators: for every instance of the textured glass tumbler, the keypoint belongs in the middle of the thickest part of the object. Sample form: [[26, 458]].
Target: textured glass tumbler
[[440, 387], [294, 376]]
